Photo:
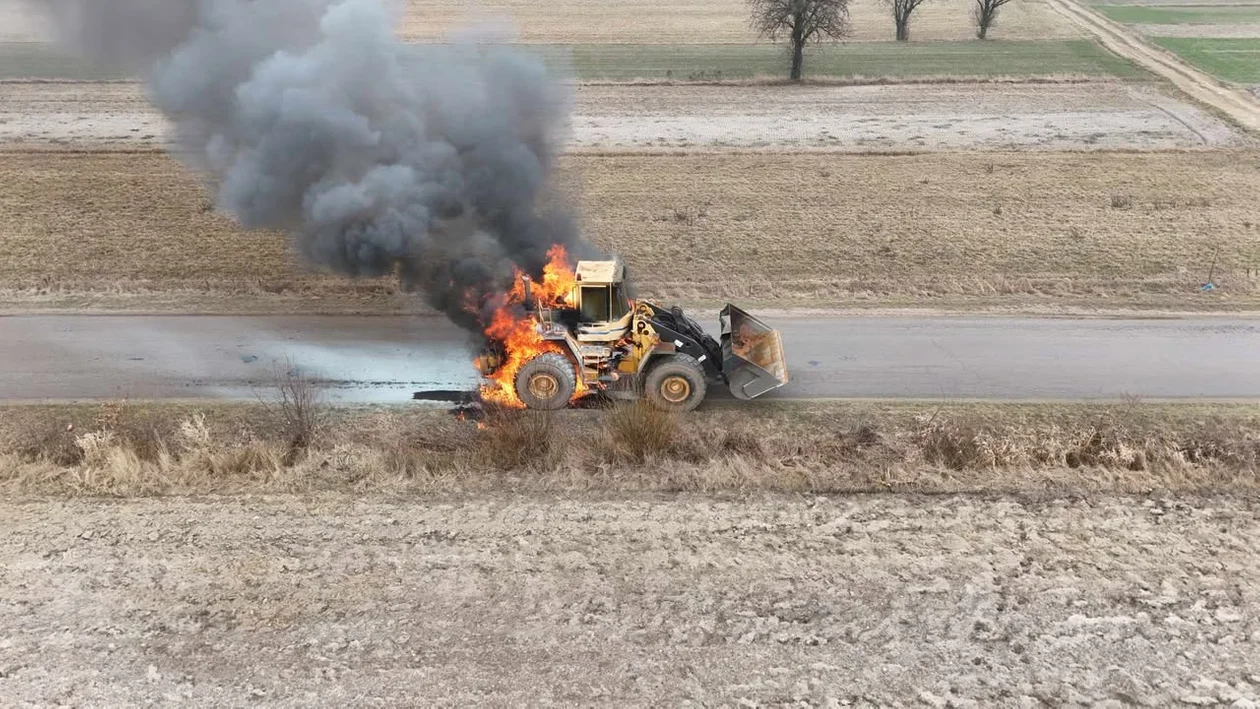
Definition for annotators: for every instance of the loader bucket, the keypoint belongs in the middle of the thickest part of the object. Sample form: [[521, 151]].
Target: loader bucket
[[752, 354]]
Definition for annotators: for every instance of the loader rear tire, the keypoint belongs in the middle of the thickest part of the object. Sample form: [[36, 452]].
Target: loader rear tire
[[546, 382], [676, 383]]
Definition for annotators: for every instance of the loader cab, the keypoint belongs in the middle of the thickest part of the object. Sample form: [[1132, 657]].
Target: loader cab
[[601, 291]]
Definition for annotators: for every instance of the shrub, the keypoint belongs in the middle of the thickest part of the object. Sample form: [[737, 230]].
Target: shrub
[[512, 439], [637, 431]]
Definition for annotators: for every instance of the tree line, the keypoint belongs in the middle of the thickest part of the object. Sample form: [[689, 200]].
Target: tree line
[[804, 22]]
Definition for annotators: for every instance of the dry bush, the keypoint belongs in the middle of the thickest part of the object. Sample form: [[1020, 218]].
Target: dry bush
[[1228, 443], [143, 431], [57, 440], [46, 441], [202, 453], [957, 446], [513, 439], [638, 431], [425, 450], [298, 412]]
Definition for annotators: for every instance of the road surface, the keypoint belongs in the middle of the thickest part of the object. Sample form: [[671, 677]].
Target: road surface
[[382, 359]]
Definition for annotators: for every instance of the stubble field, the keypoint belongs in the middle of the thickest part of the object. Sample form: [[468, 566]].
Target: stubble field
[[1099, 192], [1000, 229]]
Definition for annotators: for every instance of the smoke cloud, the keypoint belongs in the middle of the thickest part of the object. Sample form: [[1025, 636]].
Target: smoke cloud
[[308, 116]]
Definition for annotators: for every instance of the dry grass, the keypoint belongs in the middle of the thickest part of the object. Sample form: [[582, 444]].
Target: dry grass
[[814, 230], [710, 21], [820, 448], [919, 229]]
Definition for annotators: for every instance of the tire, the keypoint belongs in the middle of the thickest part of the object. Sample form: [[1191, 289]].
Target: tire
[[676, 383], [546, 382]]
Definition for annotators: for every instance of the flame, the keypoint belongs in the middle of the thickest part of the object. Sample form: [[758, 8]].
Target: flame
[[517, 333]]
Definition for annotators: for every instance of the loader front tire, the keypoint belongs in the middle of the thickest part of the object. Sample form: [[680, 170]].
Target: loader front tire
[[676, 383], [546, 382]]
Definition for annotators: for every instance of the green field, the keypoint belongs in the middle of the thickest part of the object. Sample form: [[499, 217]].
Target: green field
[[1182, 14], [728, 61], [868, 59], [1228, 59]]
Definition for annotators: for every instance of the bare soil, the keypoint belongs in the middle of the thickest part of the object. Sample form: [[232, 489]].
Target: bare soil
[[632, 601], [817, 230], [1084, 116], [925, 117]]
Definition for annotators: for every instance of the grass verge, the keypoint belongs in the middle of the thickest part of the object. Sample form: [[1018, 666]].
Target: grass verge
[[123, 449], [709, 62], [1229, 59]]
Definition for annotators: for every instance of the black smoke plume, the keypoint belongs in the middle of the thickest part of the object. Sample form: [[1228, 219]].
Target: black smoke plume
[[308, 116]]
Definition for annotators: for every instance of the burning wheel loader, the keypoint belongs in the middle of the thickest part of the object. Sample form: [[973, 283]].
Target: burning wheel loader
[[583, 334]]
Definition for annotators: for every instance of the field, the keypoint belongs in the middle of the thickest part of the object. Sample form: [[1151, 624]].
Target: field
[[1085, 182], [421, 556], [958, 230], [653, 21], [997, 115], [1182, 14], [712, 62], [708, 21], [632, 601], [853, 60], [1222, 39], [805, 552], [1230, 59]]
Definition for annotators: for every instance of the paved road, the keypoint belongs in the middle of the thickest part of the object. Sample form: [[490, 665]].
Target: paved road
[[386, 358]]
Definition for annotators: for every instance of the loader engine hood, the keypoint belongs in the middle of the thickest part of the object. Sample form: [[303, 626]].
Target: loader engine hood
[[752, 354]]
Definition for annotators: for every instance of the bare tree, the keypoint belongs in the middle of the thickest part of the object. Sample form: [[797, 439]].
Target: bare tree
[[902, 9], [297, 409], [984, 13], [802, 22]]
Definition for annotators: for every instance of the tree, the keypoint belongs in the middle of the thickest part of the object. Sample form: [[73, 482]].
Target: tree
[[902, 10], [984, 13], [802, 22]]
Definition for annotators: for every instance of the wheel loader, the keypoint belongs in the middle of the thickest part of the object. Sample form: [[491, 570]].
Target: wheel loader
[[636, 349]]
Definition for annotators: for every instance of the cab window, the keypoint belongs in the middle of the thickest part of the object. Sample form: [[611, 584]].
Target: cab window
[[595, 303], [620, 304]]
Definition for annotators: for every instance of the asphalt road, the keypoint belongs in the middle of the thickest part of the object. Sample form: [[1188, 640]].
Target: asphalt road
[[383, 359]]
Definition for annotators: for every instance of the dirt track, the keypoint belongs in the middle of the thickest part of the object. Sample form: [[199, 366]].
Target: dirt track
[[512, 601], [1235, 103]]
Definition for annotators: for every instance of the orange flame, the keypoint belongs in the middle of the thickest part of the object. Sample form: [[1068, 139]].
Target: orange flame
[[518, 334]]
